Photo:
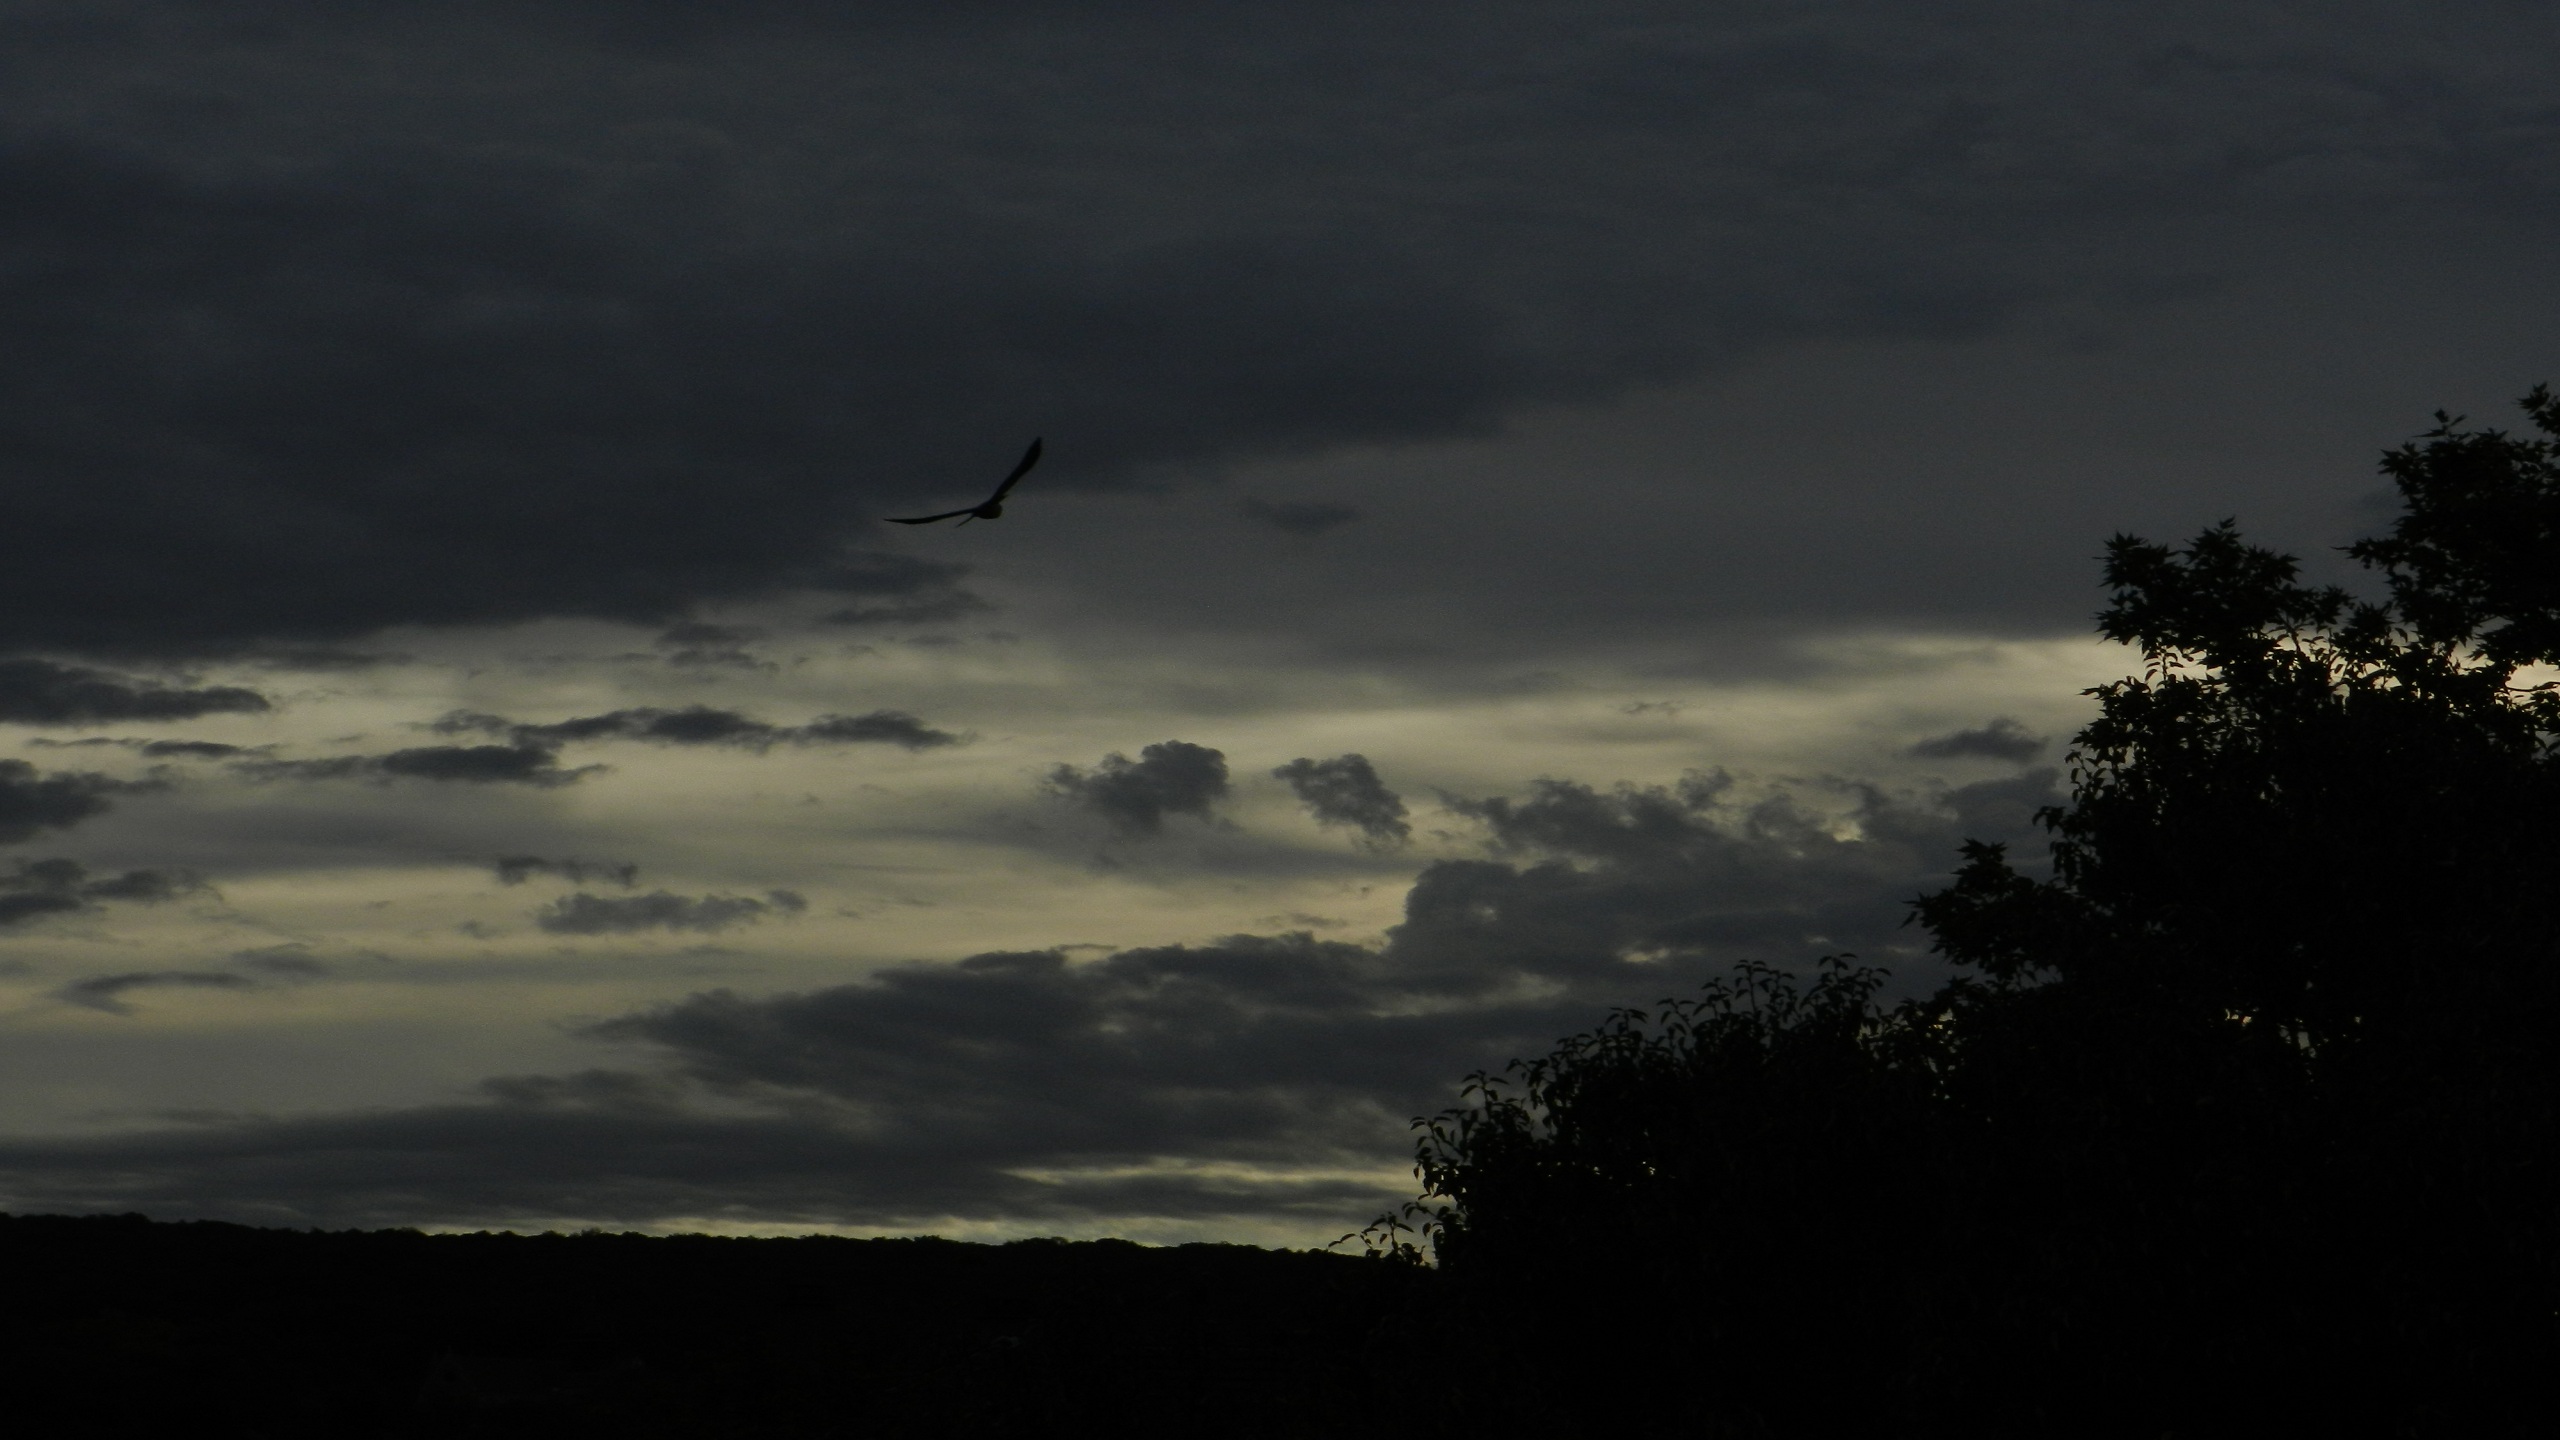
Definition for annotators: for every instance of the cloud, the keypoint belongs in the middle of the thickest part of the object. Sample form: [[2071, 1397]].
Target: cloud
[[42, 692], [106, 992], [384, 336], [608, 1148], [1300, 517], [1128, 1053], [707, 725], [60, 887], [477, 764], [1701, 874], [887, 727], [1171, 778], [1266, 1078], [923, 1092], [692, 725], [1345, 790], [2002, 739], [584, 914], [381, 353], [29, 802], [515, 869], [150, 749], [533, 765], [697, 643], [17, 908]]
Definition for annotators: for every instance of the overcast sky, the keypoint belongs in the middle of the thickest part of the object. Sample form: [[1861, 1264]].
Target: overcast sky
[[1541, 502]]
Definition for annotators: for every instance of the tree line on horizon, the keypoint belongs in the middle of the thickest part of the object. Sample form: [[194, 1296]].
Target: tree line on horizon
[[2241, 1115]]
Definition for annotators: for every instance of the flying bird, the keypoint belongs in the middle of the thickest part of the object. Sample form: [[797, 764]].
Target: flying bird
[[990, 508]]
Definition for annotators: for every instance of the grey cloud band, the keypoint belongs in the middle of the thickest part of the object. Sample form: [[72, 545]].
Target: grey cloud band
[[520, 333], [1258, 1076]]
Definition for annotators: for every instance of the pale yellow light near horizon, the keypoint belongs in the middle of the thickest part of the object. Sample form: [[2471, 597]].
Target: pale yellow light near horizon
[[901, 857]]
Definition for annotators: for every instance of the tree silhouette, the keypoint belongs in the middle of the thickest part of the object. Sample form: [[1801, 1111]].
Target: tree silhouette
[[1701, 1180], [2243, 1113]]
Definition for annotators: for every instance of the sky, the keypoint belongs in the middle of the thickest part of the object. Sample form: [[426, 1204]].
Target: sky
[[1541, 502]]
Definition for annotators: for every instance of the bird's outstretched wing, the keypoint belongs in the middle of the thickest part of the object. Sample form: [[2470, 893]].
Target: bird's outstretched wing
[[1030, 458], [987, 508]]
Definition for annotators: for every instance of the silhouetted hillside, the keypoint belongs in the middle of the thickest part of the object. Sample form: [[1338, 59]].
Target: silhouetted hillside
[[118, 1325]]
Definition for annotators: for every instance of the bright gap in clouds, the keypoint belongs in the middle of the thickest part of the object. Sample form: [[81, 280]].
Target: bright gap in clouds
[[358, 948]]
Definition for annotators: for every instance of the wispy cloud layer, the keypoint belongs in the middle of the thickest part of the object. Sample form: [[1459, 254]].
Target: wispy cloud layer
[[107, 992], [32, 802], [38, 888], [42, 692], [535, 765], [1262, 1078], [584, 914]]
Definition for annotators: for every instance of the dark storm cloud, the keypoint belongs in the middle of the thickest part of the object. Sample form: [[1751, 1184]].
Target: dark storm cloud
[[36, 888], [1174, 777], [1300, 517], [1175, 1081], [107, 992], [2002, 739], [30, 802], [516, 869], [534, 765], [400, 367], [584, 914], [1346, 790], [707, 725], [373, 315], [42, 692]]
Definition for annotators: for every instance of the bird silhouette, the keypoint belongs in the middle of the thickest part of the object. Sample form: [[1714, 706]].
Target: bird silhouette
[[990, 508]]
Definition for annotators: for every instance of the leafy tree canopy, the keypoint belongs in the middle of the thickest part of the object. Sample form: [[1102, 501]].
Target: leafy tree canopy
[[2244, 1110]]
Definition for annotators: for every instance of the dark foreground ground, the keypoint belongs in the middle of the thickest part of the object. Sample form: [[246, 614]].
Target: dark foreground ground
[[121, 1326]]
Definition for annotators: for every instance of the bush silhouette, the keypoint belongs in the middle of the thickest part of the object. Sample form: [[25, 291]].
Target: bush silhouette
[[2241, 1114]]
